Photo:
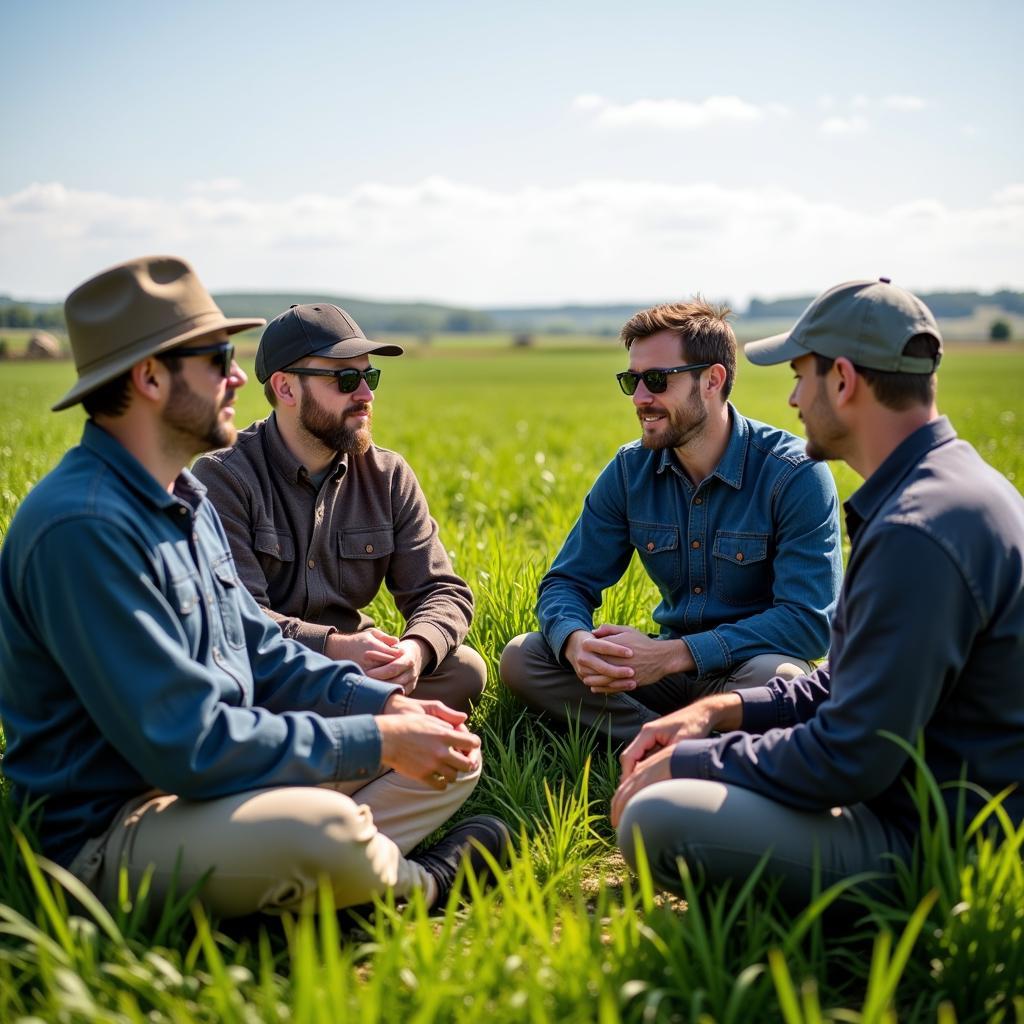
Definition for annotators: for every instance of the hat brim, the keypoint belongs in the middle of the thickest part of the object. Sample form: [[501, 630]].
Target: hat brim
[[88, 383], [779, 348], [352, 347]]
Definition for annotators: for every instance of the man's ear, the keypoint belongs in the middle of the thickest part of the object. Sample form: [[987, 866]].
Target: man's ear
[[285, 388], [714, 378], [149, 378], [845, 380]]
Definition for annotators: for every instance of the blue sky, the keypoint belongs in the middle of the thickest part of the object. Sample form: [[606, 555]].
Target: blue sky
[[514, 154]]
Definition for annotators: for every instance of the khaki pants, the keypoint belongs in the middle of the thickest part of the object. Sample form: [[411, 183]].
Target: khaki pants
[[458, 681], [721, 832], [268, 848], [532, 672]]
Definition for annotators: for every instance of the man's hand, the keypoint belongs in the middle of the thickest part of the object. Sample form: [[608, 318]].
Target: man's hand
[[426, 740], [656, 768], [599, 663], [649, 659], [406, 664], [695, 721], [369, 648]]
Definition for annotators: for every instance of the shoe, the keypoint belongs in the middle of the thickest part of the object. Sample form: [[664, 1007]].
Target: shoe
[[464, 844]]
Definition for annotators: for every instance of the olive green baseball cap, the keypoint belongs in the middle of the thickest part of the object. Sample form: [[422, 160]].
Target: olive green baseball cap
[[868, 322]]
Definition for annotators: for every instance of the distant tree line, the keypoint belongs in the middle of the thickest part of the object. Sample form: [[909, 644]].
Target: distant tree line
[[16, 314], [942, 304]]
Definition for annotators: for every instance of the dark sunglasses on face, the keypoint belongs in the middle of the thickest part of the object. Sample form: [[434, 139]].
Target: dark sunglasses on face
[[655, 380], [223, 352], [348, 379]]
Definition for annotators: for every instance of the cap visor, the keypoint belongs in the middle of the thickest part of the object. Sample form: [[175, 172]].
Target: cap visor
[[352, 347], [779, 348]]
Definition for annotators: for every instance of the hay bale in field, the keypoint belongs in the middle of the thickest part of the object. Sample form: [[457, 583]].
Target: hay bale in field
[[43, 345]]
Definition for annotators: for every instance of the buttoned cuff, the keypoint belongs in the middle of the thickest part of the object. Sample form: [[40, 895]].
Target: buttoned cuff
[[557, 635], [710, 653], [358, 745], [691, 759], [310, 635], [761, 710], [433, 636], [368, 696]]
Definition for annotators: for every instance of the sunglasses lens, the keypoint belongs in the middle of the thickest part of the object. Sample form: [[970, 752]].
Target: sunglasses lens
[[348, 381], [627, 381], [227, 358], [655, 380], [372, 378]]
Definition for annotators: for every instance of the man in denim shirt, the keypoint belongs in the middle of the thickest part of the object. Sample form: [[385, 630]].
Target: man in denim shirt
[[147, 700], [734, 523], [927, 641]]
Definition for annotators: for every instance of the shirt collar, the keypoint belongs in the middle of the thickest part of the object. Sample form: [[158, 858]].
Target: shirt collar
[[730, 467], [292, 469], [865, 502], [135, 475]]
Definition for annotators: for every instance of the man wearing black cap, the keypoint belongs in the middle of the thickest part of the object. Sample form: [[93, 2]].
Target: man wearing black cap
[[927, 640], [319, 517], [153, 712]]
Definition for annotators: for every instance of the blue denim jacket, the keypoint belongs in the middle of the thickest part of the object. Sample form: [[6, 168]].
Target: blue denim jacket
[[748, 562], [132, 659]]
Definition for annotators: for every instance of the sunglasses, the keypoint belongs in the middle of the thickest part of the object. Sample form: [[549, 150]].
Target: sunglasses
[[348, 379], [223, 351], [655, 380]]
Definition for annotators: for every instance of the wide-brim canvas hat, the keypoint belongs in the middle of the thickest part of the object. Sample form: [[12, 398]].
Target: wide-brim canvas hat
[[868, 322], [134, 310], [314, 329]]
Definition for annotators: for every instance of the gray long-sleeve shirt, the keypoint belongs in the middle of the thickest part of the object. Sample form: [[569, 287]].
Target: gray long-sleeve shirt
[[928, 637], [314, 557]]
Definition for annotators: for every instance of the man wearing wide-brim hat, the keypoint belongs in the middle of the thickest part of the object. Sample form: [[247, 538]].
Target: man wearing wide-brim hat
[[816, 775], [160, 717], [319, 518]]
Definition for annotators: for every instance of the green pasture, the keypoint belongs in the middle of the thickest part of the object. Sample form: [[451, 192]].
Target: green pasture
[[506, 443]]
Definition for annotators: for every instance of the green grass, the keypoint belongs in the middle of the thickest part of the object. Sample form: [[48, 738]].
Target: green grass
[[506, 443]]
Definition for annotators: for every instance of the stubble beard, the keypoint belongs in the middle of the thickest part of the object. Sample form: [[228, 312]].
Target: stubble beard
[[193, 423], [824, 436], [331, 430], [684, 425]]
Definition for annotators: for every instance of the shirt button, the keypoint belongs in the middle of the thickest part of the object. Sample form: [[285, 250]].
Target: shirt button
[[311, 563], [739, 556], [698, 590], [195, 538], [182, 511], [650, 545], [698, 501], [369, 549], [695, 544]]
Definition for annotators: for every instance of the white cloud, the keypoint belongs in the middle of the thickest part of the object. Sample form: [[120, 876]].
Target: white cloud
[[905, 104], [595, 240], [859, 102], [836, 125], [216, 186], [673, 114]]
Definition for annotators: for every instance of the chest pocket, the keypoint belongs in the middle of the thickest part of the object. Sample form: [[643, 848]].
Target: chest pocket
[[743, 572], [658, 547], [366, 543], [226, 584]]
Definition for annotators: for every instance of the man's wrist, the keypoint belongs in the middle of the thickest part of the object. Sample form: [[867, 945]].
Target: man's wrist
[[681, 659], [725, 712]]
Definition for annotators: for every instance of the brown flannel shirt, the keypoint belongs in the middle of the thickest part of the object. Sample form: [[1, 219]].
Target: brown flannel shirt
[[313, 559]]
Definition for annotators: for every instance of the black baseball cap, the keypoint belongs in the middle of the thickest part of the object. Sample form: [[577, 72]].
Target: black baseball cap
[[314, 329]]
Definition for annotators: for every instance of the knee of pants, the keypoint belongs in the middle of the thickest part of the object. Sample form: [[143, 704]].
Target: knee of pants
[[472, 674], [515, 667]]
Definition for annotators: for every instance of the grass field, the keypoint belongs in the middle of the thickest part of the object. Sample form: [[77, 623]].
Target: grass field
[[506, 443]]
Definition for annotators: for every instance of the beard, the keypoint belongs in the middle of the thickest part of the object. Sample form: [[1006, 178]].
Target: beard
[[823, 429], [330, 429], [684, 423], [193, 422]]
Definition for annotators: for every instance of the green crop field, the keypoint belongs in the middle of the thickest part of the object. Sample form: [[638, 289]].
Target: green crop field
[[506, 443]]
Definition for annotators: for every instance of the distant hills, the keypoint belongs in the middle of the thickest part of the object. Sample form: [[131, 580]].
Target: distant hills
[[426, 318]]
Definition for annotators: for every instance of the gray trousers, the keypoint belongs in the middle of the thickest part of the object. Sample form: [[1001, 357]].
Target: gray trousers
[[722, 832], [533, 673]]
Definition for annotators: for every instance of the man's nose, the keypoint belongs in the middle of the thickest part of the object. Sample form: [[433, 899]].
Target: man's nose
[[363, 392], [236, 375]]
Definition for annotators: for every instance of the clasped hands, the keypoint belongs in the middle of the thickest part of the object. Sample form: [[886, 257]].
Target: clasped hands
[[616, 659], [381, 655]]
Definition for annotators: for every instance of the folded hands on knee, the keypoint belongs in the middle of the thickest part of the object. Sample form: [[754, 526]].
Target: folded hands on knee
[[616, 659]]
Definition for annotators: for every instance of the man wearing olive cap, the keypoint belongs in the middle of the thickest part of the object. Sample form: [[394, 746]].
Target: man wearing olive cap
[[319, 517], [927, 640], [157, 714]]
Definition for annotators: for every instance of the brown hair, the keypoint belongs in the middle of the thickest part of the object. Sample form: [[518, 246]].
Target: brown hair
[[897, 391], [111, 399], [704, 331]]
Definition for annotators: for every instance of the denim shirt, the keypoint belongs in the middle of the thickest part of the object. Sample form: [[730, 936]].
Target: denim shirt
[[747, 562], [132, 659], [928, 639]]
